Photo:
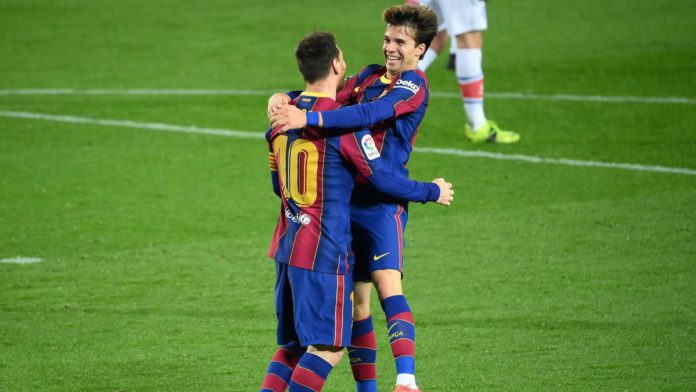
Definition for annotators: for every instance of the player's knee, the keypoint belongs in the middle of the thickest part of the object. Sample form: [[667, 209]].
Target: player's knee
[[330, 354], [387, 282], [470, 40], [361, 300]]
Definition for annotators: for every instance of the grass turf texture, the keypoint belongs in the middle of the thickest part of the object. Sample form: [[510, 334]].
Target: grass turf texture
[[539, 277]]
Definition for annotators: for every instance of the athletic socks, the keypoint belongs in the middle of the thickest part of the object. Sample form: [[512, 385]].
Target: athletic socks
[[310, 374], [281, 367], [469, 73], [428, 58], [363, 355], [402, 336]]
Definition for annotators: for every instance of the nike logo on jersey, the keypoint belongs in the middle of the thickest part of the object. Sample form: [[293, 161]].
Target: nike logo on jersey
[[375, 257]]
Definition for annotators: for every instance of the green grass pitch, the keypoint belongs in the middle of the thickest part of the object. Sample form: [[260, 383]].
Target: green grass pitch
[[540, 276]]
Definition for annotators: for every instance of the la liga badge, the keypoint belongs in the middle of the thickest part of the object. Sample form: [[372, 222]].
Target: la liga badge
[[368, 145]]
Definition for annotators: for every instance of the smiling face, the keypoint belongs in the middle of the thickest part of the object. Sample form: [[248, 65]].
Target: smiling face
[[400, 50]]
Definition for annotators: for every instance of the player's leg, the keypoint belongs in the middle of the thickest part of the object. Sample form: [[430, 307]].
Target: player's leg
[[451, 60], [469, 71], [436, 47], [465, 21], [388, 223], [322, 305], [363, 346], [314, 367], [288, 354], [440, 40], [400, 326], [281, 367]]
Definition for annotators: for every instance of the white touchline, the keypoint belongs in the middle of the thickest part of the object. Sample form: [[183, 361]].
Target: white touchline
[[574, 97], [426, 150], [265, 93], [133, 124], [555, 161], [21, 260]]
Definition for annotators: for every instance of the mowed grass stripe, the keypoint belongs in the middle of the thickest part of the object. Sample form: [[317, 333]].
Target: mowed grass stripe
[[427, 150], [244, 92]]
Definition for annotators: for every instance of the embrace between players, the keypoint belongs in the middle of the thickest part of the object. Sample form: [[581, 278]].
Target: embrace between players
[[338, 154]]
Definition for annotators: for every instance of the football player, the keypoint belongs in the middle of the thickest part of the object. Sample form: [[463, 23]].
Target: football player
[[314, 176], [392, 100]]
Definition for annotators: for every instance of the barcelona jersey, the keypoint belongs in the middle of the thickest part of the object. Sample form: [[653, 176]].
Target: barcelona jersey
[[392, 108], [314, 176]]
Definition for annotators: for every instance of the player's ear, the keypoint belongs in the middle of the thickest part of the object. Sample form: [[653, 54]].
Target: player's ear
[[420, 50], [336, 66]]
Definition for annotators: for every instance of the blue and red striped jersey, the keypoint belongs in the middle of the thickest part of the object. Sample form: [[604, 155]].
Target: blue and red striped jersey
[[314, 176], [393, 110]]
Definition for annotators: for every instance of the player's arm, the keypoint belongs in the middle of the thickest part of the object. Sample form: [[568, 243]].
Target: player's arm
[[346, 119], [275, 181], [344, 96], [406, 96], [359, 149]]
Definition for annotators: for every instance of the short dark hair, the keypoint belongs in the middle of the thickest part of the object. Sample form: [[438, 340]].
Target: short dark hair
[[422, 21], [314, 55]]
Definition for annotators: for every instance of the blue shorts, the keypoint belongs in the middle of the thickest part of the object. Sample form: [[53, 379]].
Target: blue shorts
[[378, 238], [313, 308]]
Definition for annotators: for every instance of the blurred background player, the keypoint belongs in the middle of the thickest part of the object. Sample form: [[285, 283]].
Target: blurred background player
[[314, 176], [464, 20], [392, 99]]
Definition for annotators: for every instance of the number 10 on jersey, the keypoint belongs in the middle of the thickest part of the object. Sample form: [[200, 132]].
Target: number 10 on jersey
[[297, 167]]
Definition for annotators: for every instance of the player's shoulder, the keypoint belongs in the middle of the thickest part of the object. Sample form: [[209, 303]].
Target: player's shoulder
[[316, 102], [411, 80], [373, 68], [325, 103], [370, 70], [415, 76]]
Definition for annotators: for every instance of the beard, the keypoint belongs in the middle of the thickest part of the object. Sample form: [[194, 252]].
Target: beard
[[341, 83]]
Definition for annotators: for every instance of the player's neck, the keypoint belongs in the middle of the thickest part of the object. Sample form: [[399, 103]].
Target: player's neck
[[394, 74], [325, 87]]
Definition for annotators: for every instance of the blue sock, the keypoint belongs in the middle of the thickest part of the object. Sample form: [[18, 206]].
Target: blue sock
[[310, 374], [363, 355], [402, 333], [281, 367]]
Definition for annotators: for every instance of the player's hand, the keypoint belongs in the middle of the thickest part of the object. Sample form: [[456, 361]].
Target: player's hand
[[446, 192], [276, 100], [288, 117]]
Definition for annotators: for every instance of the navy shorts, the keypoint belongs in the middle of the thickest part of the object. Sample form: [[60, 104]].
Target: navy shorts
[[378, 238], [313, 308]]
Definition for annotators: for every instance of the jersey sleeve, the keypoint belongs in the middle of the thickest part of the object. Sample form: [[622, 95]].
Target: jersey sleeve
[[348, 94], [273, 165], [360, 151], [345, 95], [407, 95]]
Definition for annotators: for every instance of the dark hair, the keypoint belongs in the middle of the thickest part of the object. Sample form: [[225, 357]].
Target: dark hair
[[422, 22], [314, 55]]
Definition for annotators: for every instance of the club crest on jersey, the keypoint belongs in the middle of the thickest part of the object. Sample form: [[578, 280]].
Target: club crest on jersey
[[408, 85], [368, 145], [300, 218]]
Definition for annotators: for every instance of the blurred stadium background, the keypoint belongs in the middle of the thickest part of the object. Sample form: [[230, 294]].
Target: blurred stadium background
[[132, 165]]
